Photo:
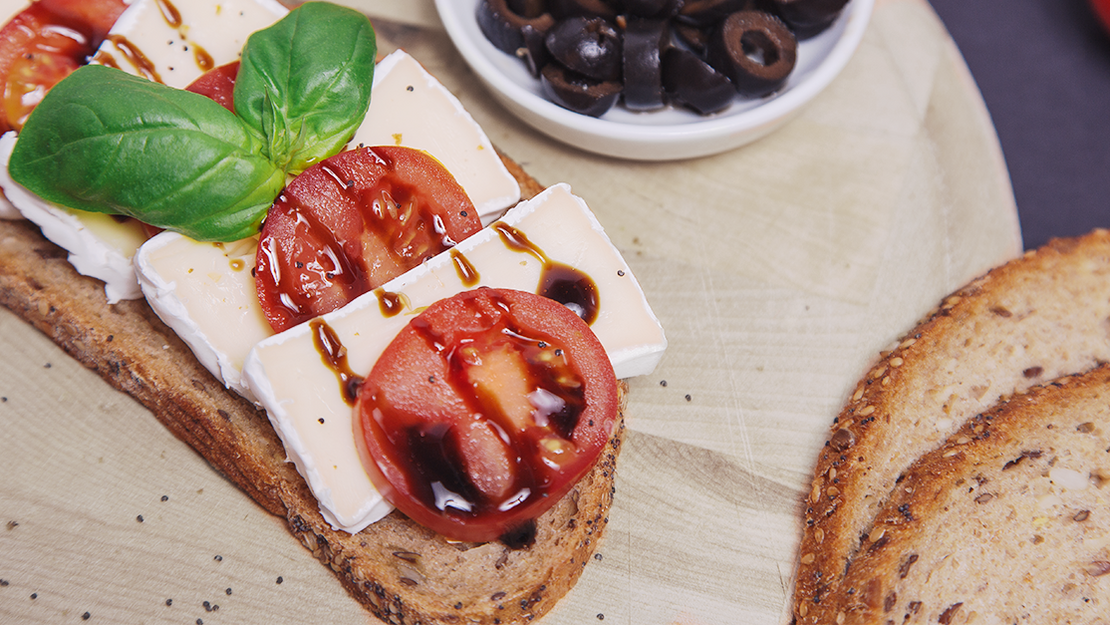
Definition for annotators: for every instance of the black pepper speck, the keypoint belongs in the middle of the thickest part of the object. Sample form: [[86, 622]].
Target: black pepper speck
[[600, 616], [165, 497], [169, 601], [688, 398], [34, 595], [139, 518], [86, 616], [218, 558], [279, 579], [662, 382], [3, 582], [228, 591]]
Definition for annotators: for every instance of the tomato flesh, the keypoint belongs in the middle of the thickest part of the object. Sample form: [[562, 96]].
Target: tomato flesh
[[218, 84], [351, 223], [484, 411], [45, 43]]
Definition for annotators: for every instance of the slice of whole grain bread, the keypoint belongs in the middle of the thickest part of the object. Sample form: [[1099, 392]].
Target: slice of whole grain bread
[[1036, 318], [399, 570], [1006, 522]]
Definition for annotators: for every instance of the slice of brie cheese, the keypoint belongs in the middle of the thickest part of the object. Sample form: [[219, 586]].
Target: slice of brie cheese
[[99, 246], [176, 43], [206, 294], [303, 397]]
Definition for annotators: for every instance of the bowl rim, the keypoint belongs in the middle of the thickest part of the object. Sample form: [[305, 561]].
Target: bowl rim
[[754, 121]]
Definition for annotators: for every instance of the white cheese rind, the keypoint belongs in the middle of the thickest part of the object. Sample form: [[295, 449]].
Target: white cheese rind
[[409, 107], [98, 245], [205, 293], [302, 395]]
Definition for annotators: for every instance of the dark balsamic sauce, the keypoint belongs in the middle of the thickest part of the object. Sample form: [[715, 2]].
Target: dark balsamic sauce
[[558, 281], [390, 304], [334, 355], [466, 271], [142, 64]]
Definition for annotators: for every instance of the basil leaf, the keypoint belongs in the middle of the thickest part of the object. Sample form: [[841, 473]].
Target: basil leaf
[[305, 82], [105, 141]]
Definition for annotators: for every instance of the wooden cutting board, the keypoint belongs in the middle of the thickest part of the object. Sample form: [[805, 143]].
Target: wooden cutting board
[[778, 271]]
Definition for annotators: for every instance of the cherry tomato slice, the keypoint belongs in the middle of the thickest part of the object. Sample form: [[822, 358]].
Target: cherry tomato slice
[[350, 224], [42, 45], [218, 84], [484, 411]]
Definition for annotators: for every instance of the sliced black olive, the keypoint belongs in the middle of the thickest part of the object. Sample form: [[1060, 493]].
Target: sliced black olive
[[501, 25], [528, 8], [588, 46], [709, 12], [691, 81], [578, 93], [582, 8], [534, 51], [644, 42], [659, 9], [808, 17], [755, 50], [694, 37]]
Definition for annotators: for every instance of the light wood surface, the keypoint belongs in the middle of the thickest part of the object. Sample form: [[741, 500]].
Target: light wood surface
[[778, 271]]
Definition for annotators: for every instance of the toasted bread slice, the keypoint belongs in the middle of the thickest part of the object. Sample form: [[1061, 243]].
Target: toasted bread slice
[[1005, 522], [399, 570], [1036, 318]]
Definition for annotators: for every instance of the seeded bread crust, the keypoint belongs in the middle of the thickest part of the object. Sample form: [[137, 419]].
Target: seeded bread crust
[[1039, 317], [1006, 522], [399, 570]]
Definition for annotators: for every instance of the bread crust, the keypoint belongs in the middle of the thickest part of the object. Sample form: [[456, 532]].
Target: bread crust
[[1005, 520], [1036, 318], [400, 571]]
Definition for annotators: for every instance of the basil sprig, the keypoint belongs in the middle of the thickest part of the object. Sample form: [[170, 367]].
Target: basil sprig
[[105, 141]]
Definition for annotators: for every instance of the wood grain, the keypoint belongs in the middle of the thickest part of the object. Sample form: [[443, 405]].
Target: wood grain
[[779, 271]]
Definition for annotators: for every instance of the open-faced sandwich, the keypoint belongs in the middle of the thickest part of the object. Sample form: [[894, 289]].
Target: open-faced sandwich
[[313, 267]]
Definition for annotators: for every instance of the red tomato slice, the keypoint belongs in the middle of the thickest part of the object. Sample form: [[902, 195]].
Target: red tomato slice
[[484, 411], [351, 223], [42, 45], [218, 84]]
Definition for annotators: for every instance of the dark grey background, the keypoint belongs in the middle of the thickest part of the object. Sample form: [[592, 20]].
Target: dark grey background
[[1043, 67]]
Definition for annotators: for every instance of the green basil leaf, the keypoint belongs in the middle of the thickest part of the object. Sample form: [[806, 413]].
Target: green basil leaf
[[105, 141], [305, 82]]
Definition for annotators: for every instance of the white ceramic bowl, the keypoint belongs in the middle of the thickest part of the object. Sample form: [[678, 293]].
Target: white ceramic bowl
[[669, 134]]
